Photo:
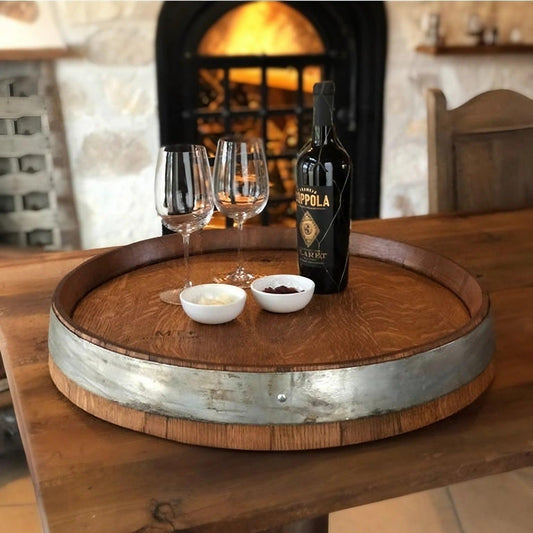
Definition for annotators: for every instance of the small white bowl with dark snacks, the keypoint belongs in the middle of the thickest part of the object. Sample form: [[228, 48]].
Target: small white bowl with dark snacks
[[283, 293]]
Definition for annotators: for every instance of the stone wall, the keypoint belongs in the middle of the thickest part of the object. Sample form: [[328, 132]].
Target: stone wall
[[409, 74], [108, 94]]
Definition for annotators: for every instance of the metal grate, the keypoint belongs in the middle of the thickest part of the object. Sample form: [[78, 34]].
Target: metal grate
[[354, 35], [227, 102]]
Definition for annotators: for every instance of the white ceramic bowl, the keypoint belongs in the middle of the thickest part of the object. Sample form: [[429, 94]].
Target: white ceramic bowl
[[213, 303], [283, 303]]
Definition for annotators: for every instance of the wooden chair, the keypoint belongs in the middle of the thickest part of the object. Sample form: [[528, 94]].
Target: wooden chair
[[480, 154]]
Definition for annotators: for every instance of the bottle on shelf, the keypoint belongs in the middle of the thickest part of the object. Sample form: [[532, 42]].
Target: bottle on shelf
[[323, 194]]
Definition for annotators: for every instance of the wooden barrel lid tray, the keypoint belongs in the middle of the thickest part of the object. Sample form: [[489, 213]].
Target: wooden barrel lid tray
[[408, 343]]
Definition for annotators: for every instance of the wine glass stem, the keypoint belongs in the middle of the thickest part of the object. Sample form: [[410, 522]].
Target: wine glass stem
[[240, 267], [186, 240]]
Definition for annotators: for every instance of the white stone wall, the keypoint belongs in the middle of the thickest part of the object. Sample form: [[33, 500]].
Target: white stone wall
[[409, 74], [108, 94]]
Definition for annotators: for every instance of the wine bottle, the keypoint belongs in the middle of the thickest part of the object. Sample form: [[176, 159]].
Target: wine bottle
[[323, 193]]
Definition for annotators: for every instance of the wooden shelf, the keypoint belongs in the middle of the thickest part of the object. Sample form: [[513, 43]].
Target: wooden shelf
[[475, 49], [33, 54]]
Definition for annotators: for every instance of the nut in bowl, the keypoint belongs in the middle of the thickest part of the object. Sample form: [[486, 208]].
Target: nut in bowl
[[213, 303], [283, 293]]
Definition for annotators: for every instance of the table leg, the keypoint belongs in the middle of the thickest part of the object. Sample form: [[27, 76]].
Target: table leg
[[311, 525]]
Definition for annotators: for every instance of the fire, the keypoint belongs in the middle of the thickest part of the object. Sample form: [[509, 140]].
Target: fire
[[265, 28]]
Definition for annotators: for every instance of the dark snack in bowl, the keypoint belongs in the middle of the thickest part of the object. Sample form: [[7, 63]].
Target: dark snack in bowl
[[281, 289]]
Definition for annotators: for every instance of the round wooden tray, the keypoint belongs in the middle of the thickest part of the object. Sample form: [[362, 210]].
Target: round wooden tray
[[409, 342]]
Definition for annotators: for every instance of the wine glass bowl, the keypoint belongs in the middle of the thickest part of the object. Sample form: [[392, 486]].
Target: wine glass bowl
[[240, 187], [183, 198]]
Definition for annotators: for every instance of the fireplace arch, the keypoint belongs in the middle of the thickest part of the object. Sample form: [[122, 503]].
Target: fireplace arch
[[355, 38]]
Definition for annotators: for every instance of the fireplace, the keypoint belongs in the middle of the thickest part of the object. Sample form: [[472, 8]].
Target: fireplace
[[249, 67]]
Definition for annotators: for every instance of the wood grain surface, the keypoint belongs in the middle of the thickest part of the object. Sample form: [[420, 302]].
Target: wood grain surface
[[386, 309], [96, 477]]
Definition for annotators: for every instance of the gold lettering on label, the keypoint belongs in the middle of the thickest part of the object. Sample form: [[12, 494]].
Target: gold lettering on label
[[314, 255], [310, 198]]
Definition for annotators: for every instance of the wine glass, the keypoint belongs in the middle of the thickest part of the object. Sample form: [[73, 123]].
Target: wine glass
[[240, 184], [183, 198]]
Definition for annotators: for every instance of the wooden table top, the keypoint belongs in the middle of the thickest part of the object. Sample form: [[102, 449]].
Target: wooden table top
[[92, 476]]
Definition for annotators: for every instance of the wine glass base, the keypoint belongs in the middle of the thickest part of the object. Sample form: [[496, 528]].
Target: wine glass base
[[171, 296], [239, 279]]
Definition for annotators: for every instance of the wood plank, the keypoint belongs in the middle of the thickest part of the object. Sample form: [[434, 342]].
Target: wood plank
[[21, 145], [31, 54], [123, 481], [26, 221], [495, 247], [23, 182], [14, 107], [506, 48]]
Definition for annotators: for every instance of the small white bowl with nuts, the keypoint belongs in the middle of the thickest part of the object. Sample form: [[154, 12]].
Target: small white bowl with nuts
[[213, 303]]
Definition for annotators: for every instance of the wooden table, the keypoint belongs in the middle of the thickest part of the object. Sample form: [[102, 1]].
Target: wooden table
[[92, 476]]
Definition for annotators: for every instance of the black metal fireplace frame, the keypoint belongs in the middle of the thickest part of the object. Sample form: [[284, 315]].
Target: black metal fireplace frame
[[355, 38]]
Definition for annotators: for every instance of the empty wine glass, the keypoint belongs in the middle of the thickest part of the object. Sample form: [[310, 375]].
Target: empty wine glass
[[240, 184], [183, 198]]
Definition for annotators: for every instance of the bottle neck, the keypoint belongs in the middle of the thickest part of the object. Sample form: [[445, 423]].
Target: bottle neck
[[324, 134], [323, 127]]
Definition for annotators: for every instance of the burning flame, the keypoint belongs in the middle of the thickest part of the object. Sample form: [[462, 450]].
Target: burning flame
[[270, 28]]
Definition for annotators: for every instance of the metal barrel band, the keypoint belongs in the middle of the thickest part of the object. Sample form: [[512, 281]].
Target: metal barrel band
[[295, 397]]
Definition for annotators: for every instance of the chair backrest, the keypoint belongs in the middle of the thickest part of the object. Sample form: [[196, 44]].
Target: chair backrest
[[480, 155]]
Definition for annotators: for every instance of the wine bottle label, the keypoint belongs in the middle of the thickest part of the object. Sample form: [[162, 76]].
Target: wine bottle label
[[314, 219]]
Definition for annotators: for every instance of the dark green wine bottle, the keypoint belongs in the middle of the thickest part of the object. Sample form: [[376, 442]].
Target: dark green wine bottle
[[323, 193]]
